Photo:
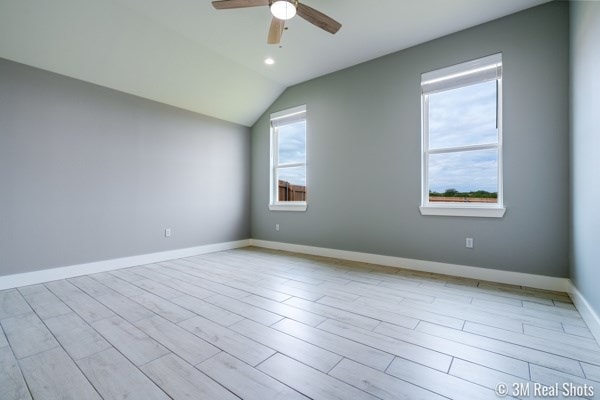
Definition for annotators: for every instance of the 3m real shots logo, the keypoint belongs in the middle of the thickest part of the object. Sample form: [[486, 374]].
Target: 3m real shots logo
[[537, 390]]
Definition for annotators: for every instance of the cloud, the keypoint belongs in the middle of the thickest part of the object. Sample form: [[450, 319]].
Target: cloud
[[293, 175], [464, 171], [292, 143], [463, 116]]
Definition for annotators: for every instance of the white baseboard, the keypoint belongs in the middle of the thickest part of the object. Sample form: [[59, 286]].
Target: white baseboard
[[486, 274], [493, 275], [46, 275], [586, 310], [589, 315]]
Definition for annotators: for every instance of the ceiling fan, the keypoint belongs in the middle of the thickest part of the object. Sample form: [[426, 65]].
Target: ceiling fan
[[283, 10]]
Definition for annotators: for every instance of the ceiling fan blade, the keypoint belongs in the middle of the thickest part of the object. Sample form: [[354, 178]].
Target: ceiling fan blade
[[275, 31], [226, 4], [318, 18]]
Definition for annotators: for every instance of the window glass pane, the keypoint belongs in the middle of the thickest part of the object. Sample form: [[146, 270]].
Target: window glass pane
[[467, 176], [292, 143], [463, 116], [291, 184]]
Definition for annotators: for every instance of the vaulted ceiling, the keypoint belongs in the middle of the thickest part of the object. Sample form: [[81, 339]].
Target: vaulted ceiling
[[189, 55]]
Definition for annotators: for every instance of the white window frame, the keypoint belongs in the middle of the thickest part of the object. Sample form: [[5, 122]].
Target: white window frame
[[453, 77], [281, 118]]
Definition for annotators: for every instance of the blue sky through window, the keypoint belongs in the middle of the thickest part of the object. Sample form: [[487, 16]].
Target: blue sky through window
[[292, 149], [462, 117]]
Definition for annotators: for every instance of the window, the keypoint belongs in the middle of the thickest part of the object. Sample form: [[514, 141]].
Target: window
[[288, 160], [462, 139]]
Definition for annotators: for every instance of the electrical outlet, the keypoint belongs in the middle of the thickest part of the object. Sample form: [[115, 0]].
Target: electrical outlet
[[469, 243], [168, 232], [277, 227]]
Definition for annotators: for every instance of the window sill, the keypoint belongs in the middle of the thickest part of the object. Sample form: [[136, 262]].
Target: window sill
[[288, 207], [458, 211]]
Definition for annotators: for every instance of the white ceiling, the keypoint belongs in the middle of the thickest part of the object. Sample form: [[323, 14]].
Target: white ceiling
[[189, 55]]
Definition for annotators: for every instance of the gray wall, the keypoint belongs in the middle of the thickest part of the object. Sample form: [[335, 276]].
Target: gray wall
[[585, 149], [89, 174], [364, 153]]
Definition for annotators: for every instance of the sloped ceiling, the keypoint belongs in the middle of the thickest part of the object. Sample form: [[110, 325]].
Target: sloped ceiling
[[189, 55]]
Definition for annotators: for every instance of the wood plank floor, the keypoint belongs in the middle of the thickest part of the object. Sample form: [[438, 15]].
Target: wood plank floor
[[257, 324]]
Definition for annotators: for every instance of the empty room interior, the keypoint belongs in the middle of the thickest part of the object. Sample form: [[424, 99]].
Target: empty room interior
[[255, 199]]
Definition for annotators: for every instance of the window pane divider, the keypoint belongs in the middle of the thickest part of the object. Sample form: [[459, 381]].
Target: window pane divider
[[291, 165], [475, 147]]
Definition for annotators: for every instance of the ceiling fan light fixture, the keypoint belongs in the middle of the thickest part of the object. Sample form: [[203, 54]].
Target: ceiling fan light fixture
[[283, 10]]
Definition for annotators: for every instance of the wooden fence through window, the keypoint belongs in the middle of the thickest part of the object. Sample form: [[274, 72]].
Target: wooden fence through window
[[289, 192]]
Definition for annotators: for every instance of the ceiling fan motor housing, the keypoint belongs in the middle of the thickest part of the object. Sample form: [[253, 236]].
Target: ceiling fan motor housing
[[288, 9], [284, 9]]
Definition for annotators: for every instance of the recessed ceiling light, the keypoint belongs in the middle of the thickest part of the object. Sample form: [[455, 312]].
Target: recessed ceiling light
[[269, 61]]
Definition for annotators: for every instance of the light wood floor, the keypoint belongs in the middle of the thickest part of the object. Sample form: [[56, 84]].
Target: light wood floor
[[258, 324]]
